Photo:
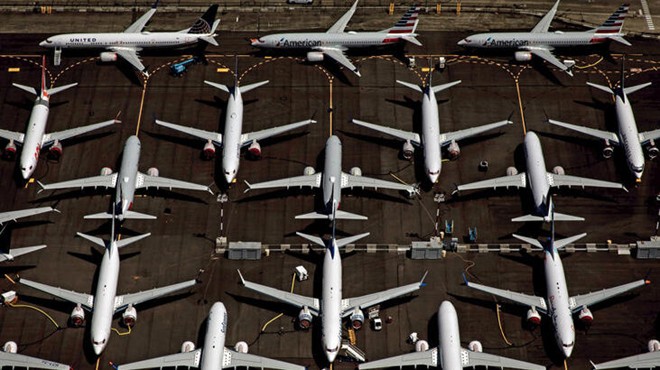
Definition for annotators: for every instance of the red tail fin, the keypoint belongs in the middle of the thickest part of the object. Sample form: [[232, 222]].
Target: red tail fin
[[43, 77]]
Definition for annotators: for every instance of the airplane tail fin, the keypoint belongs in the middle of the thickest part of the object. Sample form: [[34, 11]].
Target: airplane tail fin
[[210, 39], [631, 89], [611, 28], [407, 24], [204, 24], [43, 92]]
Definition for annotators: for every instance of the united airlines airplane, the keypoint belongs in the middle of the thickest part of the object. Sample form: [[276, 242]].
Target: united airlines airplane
[[541, 43], [334, 42]]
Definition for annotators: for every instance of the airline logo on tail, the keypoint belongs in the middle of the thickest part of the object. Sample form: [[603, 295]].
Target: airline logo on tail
[[612, 26], [407, 23]]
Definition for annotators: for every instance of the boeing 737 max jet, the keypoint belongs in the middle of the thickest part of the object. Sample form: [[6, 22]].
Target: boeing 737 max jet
[[10, 358], [648, 360], [13, 216]]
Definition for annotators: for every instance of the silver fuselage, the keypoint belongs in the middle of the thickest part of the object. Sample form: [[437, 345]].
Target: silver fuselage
[[34, 135], [125, 190], [214, 339], [331, 182], [104, 299], [331, 308], [449, 338], [231, 141], [557, 300], [120, 39], [629, 136], [521, 40], [537, 177], [431, 136], [314, 40]]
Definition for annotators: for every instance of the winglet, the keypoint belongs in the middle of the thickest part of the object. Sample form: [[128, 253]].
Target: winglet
[[593, 365], [241, 276], [249, 186], [155, 4], [465, 280], [43, 187], [421, 282]]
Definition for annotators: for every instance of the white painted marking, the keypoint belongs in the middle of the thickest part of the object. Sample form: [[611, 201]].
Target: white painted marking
[[647, 15]]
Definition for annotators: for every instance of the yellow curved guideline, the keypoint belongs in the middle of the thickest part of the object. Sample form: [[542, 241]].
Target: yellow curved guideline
[[293, 283]]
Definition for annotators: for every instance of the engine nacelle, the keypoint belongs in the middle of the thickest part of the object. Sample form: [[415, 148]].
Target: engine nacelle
[[475, 346], [153, 171], [129, 316], [305, 318], [652, 151], [77, 317], [10, 150], [55, 150], [511, 171], [187, 346], [208, 152], [356, 171], [12, 347], [108, 56], [357, 319], [105, 171], [255, 150], [586, 316], [241, 347], [558, 170], [533, 317], [454, 150], [314, 56], [608, 149], [421, 346], [523, 56], [309, 171], [408, 150], [654, 345]]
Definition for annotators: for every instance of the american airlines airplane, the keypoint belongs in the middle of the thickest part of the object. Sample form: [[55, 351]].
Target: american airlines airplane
[[213, 355], [558, 305], [539, 181], [126, 181], [334, 42], [332, 180], [332, 307], [648, 360], [35, 137], [13, 216], [127, 44], [105, 303], [10, 358], [234, 139], [541, 43], [449, 355], [627, 135], [431, 139]]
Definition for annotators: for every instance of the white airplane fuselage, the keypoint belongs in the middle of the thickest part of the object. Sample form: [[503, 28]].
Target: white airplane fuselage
[[126, 179], [104, 299], [515, 40], [214, 339], [331, 182], [120, 39], [34, 135], [231, 141], [557, 300], [331, 298], [537, 178], [312, 40], [449, 338], [430, 136], [629, 136]]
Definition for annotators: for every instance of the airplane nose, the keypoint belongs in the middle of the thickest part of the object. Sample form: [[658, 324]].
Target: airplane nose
[[567, 351], [26, 174], [255, 42], [43, 43], [462, 42], [99, 346], [433, 178], [229, 179], [331, 356]]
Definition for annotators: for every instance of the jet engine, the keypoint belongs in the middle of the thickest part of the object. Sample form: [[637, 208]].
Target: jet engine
[[255, 150], [208, 152], [314, 56], [608, 149], [129, 316], [421, 346], [241, 347], [511, 171], [586, 316], [475, 346], [357, 319], [12, 347], [55, 150], [654, 345], [10, 150], [356, 171], [533, 317], [408, 150], [309, 171], [187, 346], [523, 56], [77, 317], [454, 150], [652, 151], [108, 56], [558, 170], [105, 171], [153, 171], [305, 318]]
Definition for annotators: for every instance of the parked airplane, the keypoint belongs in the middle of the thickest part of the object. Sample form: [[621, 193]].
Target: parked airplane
[[332, 180], [35, 137], [234, 138], [430, 134], [126, 181], [13, 216], [627, 136], [449, 355], [334, 42], [539, 181], [648, 360], [127, 44], [558, 305], [105, 303], [541, 43], [10, 358], [213, 355], [332, 307]]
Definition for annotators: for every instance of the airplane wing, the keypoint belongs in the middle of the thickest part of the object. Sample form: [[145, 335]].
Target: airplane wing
[[338, 55], [13, 253], [136, 298], [187, 359], [426, 358], [104, 181], [247, 139], [85, 300], [403, 135], [544, 23], [487, 360], [286, 297], [544, 53], [11, 135], [350, 181], [313, 181], [62, 135], [447, 137], [566, 180], [14, 359], [520, 298], [340, 25], [138, 25], [238, 359], [604, 135], [202, 134], [145, 181], [15, 215], [649, 135], [644, 361], [516, 181], [577, 302], [130, 55], [349, 304]]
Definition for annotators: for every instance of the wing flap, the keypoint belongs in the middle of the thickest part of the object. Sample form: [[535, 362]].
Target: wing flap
[[202, 134], [18, 137], [104, 181], [576, 302], [644, 361], [14, 359], [145, 181], [85, 300], [647, 136], [147, 295], [488, 360], [516, 181], [403, 135], [520, 298], [426, 358], [350, 181], [15, 215], [447, 137], [262, 134], [313, 181], [130, 55], [66, 134], [604, 135], [566, 180], [238, 359], [374, 298], [339, 57], [286, 297], [545, 54], [188, 359]]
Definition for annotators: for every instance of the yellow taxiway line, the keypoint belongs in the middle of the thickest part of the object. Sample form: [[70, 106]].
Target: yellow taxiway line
[[139, 120], [522, 113]]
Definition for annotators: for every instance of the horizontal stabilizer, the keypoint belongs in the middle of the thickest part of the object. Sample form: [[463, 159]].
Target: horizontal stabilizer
[[558, 217], [218, 86], [349, 240], [340, 215], [129, 215], [56, 90], [29, 89], [601, 87], [253, 86], [126, 241], [631, 89], [409, 85], [561, 243], [312, 238], [210, 40], [437, 89], [94, 239], [343, 215], [620, 40], [528, 240], [412, 40]]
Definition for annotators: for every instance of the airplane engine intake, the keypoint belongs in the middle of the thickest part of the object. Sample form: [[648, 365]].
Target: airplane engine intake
[[153, 171], [357, 319], [55, 150], [305, 318], [241, 347], [309, 171], [608, 149], [108, 56], [421, 346], [314, 56], [105, 171], [454, 150], [523, 56], [511, 171], [475, 346], [187, 346], [408, 150], [255, 150], [12, 347], [10, 150], [654, 345], [533, 317], [356, 171], [208, 152], [652, 150], [77, 317], [586, 316], [558, 170], [129, 316]]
